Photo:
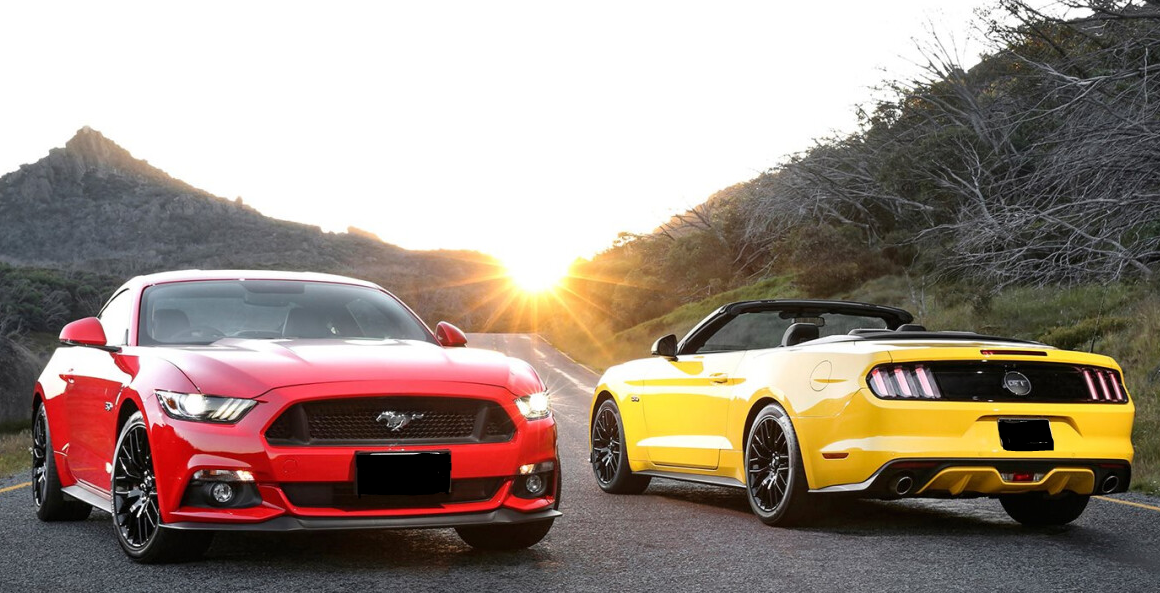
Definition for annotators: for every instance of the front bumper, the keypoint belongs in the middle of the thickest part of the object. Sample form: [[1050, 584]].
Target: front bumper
[[287, 523], [182, 448]]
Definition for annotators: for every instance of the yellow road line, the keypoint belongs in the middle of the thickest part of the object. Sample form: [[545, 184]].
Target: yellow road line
[[1115, 500], [26, 484]]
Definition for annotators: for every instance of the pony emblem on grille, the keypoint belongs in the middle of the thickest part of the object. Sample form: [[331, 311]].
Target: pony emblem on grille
[[397, 421]]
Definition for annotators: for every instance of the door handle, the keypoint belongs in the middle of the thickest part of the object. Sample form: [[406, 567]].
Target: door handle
[[719, 378]]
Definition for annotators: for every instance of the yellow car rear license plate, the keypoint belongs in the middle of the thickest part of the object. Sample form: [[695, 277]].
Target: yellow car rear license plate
[[1026, 434]]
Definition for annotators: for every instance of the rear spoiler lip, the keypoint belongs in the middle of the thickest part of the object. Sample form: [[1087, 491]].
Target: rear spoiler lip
[[964, 339]]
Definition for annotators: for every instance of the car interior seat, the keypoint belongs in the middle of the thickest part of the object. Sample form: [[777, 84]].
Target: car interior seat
[[798, 333], [168, 323], [305, 323]]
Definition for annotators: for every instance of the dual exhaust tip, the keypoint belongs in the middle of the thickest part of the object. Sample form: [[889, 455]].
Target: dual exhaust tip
[[1110, 484], [902, 484]]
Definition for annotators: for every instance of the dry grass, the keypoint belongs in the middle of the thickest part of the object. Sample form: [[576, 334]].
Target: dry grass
[[14, 456]]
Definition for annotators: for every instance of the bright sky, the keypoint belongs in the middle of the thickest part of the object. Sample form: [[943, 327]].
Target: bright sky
[[534, 131]]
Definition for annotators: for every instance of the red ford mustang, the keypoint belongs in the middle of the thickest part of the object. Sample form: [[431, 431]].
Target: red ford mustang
[[269, 401]]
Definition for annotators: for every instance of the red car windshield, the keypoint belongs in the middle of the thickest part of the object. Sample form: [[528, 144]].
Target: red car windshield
[[192, 313]]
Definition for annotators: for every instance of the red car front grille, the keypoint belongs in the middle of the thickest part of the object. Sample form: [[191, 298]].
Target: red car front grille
[[391, 419]]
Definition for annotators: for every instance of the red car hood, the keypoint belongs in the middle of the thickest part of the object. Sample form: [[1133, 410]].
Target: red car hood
[[249, 368]]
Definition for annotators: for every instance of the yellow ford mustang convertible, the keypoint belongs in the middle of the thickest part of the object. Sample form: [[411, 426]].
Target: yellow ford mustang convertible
[[795, 399]]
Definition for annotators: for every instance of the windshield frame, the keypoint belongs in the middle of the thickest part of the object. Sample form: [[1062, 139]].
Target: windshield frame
[[142, 338], [789, 308]]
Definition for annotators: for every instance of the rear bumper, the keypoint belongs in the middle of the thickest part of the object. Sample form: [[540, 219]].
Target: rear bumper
[[938, 478], [871, 434], [286, 523]]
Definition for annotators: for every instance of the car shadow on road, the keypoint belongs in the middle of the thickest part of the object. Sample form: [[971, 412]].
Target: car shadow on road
[[852, 516], [382, 549]]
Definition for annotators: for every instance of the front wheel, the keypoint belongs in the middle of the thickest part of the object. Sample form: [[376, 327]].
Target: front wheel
[[136, 513], [609, 457], [52, 504], [775, 476], [1038, 510], [505, 537]]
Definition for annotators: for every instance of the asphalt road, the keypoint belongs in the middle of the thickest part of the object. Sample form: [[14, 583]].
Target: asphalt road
[[675, 537]]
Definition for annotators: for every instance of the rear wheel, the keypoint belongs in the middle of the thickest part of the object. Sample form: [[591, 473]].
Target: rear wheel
[[609, 457], [775, 477], [52, 504], [1036, 509], [136, 513], [505, 537]]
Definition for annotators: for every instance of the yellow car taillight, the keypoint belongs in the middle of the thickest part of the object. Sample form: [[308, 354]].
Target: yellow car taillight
[[902, 381]]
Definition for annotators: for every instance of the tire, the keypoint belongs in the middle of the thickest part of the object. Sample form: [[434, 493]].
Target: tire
[[1036, 509], [52, 504], [609, 457], [505, 537], [775, 482], [136, 511]]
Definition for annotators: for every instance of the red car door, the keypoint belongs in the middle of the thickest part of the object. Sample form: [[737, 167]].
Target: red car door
[[92, 387]]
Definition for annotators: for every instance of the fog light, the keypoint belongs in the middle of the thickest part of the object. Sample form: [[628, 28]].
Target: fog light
[[222, 492], [534, 484]]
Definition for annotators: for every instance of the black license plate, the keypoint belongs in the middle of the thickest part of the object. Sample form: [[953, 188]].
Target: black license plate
[[412, 474], [1026, 434]]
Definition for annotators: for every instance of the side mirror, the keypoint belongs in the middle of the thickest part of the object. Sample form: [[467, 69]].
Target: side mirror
[[666, 347], [86, 332], [450, 336]]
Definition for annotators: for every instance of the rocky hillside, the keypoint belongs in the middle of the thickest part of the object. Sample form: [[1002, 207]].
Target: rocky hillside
[[91, 206]]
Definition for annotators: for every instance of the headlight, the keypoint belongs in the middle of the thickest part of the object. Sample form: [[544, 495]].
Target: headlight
[[203, 408], [534, 406]]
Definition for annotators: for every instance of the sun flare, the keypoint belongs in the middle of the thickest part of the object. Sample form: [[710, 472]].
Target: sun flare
[[534, 275]]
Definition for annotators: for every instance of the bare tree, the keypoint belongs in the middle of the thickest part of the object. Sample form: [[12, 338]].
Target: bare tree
[[1039, 165]]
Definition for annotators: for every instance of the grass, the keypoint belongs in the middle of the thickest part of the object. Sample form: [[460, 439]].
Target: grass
[[14, 456], [1119, 320]]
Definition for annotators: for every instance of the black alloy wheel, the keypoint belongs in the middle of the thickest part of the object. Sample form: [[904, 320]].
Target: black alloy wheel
[[40, 458], [606, 446], [608, 456], [136, 509], [769, 464], [775, 478], [52, 504]]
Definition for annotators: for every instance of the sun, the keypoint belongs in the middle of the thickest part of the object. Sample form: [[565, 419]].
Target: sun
[[533, 274]]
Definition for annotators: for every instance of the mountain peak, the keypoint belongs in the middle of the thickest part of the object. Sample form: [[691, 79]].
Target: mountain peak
[[94, 150], [89, 154]]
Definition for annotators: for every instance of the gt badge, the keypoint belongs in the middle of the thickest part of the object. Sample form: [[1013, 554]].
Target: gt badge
[[396, 421], [1017, 383]]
